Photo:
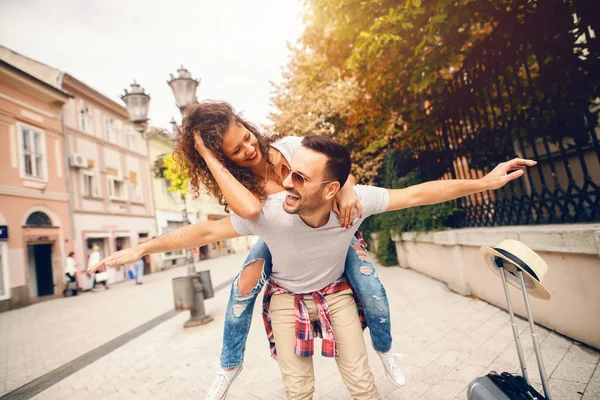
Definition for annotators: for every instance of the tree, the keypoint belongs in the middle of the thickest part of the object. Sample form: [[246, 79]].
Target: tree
[[377, 74], [166, 167]]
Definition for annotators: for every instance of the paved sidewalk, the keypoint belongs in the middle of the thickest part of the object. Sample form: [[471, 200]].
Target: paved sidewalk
[[447, 340], [39, 338]]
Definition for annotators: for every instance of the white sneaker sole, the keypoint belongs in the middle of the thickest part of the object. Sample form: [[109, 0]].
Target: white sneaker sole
[[387, 372], [393, 380], [231, 383]]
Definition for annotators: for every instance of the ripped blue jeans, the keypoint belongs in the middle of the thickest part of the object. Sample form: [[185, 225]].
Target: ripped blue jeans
[[360, 274]]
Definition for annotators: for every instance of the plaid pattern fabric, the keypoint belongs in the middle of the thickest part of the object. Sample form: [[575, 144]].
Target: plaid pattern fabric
[[306, 330], [360, 239]]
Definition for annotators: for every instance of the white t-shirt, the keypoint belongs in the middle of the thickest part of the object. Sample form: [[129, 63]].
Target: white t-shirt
[[307, 259], [94, 258], [70, 266]]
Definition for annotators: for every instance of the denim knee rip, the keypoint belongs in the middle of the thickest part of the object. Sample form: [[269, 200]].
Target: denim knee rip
[[368, 270], [361, 253], [241, 300]]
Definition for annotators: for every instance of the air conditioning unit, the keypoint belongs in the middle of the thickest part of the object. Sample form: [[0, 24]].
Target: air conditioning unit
[[78, 161]]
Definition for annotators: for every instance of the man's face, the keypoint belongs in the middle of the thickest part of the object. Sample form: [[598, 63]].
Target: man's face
[[304, 199]]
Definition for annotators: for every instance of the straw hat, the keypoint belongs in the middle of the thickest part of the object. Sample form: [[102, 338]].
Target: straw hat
[[517, 255]]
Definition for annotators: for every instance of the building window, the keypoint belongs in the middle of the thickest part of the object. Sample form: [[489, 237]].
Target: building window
[[171, 226], [4, 286], [38, 218], [136, 188], [86, 119], [116, 189], [33, 151], [136, 191], [110, 134], [130, 137], [90, 185]]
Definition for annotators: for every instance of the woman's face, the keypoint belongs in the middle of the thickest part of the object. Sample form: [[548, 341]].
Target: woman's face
[[241, 146]]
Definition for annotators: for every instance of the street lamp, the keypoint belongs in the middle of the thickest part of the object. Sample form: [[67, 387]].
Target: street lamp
[[184, 88], [137, 102]]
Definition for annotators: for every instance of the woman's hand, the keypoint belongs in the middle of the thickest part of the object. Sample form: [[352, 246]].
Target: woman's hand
[[344, 204], [126, 256], [200, 147]]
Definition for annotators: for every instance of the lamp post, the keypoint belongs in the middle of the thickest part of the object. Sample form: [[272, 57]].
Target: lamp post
[[184, 88], [189, 293]]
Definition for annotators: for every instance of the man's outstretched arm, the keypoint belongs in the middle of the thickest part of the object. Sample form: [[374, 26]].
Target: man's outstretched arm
[[195, 235], [434, 192]]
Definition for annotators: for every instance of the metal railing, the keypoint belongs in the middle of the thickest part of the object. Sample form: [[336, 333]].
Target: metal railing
[[522, 95]]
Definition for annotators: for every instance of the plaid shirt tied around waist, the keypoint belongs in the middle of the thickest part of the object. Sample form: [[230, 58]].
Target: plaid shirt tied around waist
[[306, 330]]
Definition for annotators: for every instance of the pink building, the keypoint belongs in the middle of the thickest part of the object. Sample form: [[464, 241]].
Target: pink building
[[109, 175], [35, 223]]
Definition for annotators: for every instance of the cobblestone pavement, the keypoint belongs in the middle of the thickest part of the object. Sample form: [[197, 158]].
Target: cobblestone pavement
[[37, 339], [447, 340]]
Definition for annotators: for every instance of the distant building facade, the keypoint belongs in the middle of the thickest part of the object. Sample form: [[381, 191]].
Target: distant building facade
[[109, 175], [35, 223]]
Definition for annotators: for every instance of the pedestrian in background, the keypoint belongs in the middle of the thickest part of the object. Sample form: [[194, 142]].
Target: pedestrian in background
[[138, 269], [70, 271], [100, 276]]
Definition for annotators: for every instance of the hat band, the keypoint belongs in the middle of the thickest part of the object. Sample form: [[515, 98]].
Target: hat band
[[518, 262]]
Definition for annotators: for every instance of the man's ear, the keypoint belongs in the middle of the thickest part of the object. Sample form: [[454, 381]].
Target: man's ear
[[331, 189]]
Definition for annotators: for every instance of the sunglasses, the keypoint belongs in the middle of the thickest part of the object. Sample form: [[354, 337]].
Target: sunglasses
[[298, 179]]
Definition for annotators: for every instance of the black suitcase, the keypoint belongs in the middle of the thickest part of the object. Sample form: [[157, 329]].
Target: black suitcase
[[506, 386]]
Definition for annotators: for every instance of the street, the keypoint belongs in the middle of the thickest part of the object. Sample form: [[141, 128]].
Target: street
[[447, 340]]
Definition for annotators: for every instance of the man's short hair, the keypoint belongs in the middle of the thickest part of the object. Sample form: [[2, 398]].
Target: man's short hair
[[339, 163]]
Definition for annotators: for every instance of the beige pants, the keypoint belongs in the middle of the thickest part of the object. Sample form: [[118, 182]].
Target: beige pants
[[353, 363]]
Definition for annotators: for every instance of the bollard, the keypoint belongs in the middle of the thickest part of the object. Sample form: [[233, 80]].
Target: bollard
[[197, 314], [206, 281], [189, 293]]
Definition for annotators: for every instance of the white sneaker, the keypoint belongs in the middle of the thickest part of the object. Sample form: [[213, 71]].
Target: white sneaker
[[221, 384], [393, 368]]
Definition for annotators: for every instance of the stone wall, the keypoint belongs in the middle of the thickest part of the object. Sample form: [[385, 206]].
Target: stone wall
[[572, 253]]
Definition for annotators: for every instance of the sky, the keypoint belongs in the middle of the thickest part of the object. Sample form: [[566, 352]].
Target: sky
[[234, 46]]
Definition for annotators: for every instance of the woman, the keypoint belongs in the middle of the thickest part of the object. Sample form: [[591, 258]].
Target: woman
[[240, 167]]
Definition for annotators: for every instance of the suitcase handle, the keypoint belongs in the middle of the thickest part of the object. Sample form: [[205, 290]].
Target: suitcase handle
[[513, 321], [534, 337]]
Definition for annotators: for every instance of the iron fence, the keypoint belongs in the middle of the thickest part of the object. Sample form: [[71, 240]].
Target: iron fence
[[529, 90]]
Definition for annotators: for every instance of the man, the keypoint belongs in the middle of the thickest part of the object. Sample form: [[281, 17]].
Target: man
[[138, 270], [308, 249]]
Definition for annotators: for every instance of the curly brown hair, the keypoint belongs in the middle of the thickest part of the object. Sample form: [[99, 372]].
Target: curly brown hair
[[211, 119]]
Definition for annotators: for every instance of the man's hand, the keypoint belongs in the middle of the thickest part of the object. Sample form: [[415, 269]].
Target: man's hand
[[126, 256], [344, 204], [503, 174]]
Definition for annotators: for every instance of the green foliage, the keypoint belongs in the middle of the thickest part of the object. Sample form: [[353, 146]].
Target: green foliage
[[178, 180], [386, 249], [416, 219], [378, 73]]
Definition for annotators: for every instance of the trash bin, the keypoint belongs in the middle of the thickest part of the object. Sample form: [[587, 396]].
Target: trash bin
[[183, 293]]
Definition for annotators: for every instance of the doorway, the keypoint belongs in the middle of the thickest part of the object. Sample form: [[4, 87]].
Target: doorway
[[41, 269]]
